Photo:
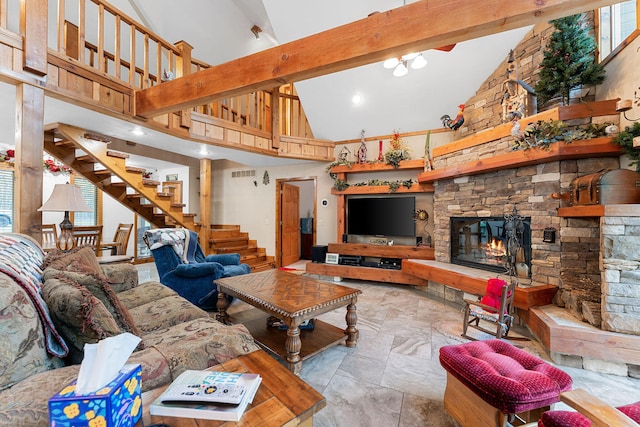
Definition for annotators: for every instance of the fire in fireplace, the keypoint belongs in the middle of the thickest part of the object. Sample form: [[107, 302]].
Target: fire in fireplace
[[482, 243]]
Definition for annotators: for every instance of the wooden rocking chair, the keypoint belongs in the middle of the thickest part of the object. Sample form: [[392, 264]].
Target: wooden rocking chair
[[495, 307]]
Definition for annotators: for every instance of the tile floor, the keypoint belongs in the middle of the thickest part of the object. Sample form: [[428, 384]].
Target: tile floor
[[393, 377]]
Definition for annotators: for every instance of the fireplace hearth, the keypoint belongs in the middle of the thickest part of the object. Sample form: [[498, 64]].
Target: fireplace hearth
[[482, 243]]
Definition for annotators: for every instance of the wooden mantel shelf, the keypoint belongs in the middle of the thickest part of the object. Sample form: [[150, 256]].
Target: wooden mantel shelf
[[596, 147], [599, 210]]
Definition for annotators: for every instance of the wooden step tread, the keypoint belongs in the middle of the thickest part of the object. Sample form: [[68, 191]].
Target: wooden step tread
[[134, 169], [229, 239], [117, 154], [86, 158], [102, 172], [150, 183]]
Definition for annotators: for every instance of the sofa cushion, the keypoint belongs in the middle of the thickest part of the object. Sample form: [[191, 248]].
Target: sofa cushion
[[200, 343], [144, 293], [26, 404], [164, 313], [23, 352], [78, 315]]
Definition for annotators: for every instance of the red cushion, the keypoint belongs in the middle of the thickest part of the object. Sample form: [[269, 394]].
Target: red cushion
[[493, 293], [575, 419], [506, 377]]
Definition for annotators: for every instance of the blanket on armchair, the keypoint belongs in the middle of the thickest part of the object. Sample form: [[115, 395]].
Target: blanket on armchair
[[184, 242], [20, 259]]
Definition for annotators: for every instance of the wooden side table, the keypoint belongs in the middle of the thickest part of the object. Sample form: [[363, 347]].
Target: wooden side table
[[283, 399]]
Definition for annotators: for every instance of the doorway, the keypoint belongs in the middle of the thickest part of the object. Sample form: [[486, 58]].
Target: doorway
[[296, 214]]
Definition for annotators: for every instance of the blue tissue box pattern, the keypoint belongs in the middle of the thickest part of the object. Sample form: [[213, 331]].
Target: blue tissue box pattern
[[118, 404]]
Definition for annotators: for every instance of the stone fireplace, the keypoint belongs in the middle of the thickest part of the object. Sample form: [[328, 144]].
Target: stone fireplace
[[482, 243], [597, 282]]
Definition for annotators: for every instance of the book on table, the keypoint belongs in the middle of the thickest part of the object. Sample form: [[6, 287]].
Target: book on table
[[207, 395]]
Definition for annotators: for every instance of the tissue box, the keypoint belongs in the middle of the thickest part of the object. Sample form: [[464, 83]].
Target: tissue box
[[118, 404]]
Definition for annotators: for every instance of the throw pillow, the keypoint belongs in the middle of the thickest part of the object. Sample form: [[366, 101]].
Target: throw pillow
[[493, 293], [101, 289], [82, 260], [79, 316]]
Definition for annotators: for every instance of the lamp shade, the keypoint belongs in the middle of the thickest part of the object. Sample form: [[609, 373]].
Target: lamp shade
[[66, 198]]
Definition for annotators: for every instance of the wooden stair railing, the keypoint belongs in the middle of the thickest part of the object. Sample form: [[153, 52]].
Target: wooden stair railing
[[62, 142], [230, 239]]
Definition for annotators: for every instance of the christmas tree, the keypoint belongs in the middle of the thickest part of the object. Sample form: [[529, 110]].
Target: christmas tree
[[569, 60]]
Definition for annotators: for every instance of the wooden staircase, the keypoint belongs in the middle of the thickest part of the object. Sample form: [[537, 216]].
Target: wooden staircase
[[88, 155], [229, 239]]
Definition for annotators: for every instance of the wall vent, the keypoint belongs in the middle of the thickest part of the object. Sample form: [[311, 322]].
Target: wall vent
[[243, 174]]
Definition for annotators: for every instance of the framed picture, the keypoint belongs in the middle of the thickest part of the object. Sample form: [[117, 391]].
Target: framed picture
[[172, 177], [331, 259]]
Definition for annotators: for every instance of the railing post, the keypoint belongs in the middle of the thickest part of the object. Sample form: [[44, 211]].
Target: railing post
[[275, 118], [33, 27], [205, 203], [183, 65], [4, 12]]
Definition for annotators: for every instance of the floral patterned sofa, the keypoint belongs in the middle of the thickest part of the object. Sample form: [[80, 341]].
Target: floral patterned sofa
[[50, 307]]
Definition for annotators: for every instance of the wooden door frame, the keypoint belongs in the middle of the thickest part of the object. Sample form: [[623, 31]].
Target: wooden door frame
[[278, 222]]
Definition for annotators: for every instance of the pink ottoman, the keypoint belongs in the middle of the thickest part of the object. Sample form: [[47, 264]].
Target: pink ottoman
[[488, 382]]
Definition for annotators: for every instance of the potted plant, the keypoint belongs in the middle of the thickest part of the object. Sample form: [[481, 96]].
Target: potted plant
[[569, 61]]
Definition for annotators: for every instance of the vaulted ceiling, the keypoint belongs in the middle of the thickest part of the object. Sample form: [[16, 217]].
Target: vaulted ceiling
[[220, 31]]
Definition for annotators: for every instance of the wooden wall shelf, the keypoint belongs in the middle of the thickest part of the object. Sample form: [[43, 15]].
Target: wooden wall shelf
[[378, 167], [381, 189], [596, 147]]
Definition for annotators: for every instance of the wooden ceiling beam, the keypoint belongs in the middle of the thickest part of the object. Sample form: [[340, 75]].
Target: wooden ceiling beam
[[418, 26]]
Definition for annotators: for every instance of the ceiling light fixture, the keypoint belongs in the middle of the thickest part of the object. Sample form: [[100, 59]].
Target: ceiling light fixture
[[400, 63], [137, 132], [256, 31]]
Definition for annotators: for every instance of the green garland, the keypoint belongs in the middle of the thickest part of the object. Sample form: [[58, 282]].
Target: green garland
[[544, 133], [625, 140]]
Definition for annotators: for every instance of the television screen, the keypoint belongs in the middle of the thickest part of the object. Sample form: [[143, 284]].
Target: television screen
[[381, 216]]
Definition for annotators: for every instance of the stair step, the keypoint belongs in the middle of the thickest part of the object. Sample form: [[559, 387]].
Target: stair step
[[106, 172], [224, 227], [119, 184], [86, 158], [117, 154], [243, 238], [150, 183], [178, 205], [64, 143], [263, 267], [164, 195], [134, 169]]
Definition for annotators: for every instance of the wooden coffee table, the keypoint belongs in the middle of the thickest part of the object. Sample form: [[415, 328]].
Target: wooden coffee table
[[282, 398], [293, 299]]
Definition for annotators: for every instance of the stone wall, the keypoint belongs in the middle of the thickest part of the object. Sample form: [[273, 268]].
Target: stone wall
[[620, 264]]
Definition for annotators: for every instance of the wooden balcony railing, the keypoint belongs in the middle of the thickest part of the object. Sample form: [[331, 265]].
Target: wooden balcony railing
[[103, 38]]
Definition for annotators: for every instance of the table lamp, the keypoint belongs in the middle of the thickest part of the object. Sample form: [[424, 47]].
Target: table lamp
[[66, 198]]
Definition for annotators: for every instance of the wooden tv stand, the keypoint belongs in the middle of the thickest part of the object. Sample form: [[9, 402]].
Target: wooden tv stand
[[372, 273]]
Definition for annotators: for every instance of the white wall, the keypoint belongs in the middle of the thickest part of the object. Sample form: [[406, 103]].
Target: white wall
[[622, 81]]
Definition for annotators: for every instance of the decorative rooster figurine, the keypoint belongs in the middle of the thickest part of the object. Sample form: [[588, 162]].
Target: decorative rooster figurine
[[455, 123]]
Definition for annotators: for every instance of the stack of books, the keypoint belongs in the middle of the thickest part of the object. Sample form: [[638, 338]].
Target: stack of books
[[209, 395]]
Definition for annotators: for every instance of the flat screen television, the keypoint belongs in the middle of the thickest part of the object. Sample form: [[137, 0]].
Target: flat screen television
[[381, 216]]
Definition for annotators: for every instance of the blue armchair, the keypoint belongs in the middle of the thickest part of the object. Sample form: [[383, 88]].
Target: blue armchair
[[183, 267]]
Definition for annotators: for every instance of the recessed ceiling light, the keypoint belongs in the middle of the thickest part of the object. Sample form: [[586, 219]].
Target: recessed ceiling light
[[203, 150], [137, 132], [356, 99]]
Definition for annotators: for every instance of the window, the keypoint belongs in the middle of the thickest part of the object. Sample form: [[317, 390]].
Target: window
[[615, 24], [90, 195], [6, 200]]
